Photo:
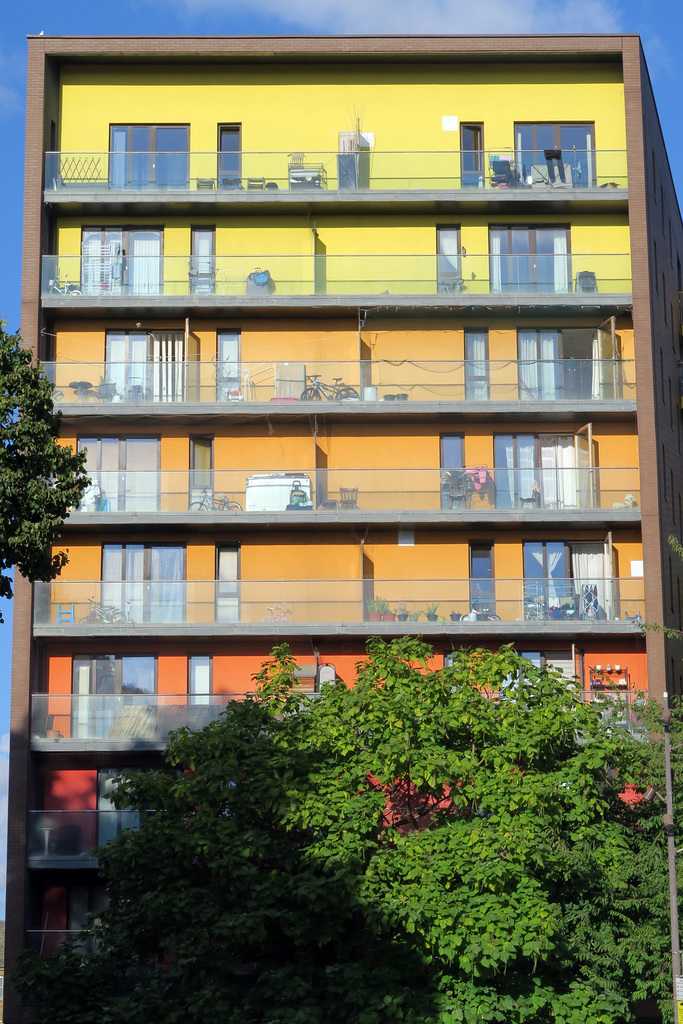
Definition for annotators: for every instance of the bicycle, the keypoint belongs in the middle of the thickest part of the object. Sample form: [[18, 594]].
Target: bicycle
[[55, 288], [103, 613], [278, 613], [214, 503], [318, 389]]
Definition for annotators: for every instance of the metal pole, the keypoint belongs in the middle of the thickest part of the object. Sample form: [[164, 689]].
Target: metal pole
[[668, 821]]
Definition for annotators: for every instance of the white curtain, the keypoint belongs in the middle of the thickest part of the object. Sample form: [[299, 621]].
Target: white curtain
[[590, 585], [526, 472], [528, 364], [477, 388], [595, 372], [549, 369], [558, 472], [560, 268], [167, 587], [145, 270], [495, 260], [168, 356]]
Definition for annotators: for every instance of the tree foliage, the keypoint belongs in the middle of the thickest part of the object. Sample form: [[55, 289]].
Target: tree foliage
[[40, 480], [424, 846]]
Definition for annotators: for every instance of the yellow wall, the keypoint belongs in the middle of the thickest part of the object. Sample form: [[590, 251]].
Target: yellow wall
[[276, 110]]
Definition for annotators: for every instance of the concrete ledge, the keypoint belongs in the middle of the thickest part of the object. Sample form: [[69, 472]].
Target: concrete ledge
[[447, 630]]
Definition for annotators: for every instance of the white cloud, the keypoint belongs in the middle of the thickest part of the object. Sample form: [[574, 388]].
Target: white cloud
[[421, 17]]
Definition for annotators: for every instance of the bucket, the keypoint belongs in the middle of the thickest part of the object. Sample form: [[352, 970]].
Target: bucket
[[370, 393]]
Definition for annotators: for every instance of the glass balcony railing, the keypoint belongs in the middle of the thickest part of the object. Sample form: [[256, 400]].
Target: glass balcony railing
[[112, 607], [115, 716], [71, 836], [309, 491], [227, 174], [48, 940], [112, 278], [397, 380]]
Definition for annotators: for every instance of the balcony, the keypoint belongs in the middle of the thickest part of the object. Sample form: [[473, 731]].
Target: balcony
[[162, 283], [387, 386], [48, 940], [279, 177], [244, 495], [124, 720], [58, 839], [305, 606]]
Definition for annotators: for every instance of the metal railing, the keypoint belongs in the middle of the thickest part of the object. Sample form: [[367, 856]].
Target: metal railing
[[310, 491], [369, 169], [392, 380], [72, 835], [114, 716], [112, 607], [111, 278]]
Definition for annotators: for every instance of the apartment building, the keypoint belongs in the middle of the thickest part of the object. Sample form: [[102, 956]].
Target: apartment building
[[362, 336]]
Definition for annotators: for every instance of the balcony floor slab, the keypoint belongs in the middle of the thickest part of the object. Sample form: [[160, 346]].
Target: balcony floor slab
[[585, 303], [543, 628]]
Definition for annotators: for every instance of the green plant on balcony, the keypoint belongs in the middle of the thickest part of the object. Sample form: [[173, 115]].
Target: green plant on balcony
[[377, 606], [413, 616], [430, 611]]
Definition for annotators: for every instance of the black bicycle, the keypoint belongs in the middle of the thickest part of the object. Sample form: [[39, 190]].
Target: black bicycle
[[317, 389], [214, 503]]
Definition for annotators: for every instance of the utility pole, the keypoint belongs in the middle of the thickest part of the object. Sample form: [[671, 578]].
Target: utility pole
[[668, 821]]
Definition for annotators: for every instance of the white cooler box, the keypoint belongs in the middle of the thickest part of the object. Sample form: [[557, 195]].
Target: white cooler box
[[269, 492]]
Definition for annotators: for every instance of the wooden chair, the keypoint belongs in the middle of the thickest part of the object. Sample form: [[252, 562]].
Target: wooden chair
[[348, 497]]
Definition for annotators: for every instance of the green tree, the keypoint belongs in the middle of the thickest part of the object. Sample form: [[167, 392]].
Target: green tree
[[424, 846], [40, 480]]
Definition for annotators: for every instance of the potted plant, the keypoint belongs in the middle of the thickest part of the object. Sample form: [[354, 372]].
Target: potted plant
[[455, 616], [430, 611], [388, 615], [377, 606], [402, 612], [413, 616]]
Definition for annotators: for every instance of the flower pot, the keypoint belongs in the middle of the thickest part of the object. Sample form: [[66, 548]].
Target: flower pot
[[388, 617], [432, 618], [402, 616], [455, 616], [375, 616]]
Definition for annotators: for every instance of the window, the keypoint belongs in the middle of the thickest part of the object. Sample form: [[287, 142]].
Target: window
[[574, 142], [123, 474], [552, 471], [565, 581], [228, 368], [476, 365], [122, 261], [230, 156], [449, 267], [482, 594], [203, 261], [149, 156], [556, 659], [146, 581], [530, 260], [227, 586], [564, 363], [99, 683], [452, 483], [472, 155], [201, 467], [110, 821], [145, 367], [200, 680]]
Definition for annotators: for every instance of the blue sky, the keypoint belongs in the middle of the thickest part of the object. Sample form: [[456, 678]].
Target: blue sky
[[659, 22]]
